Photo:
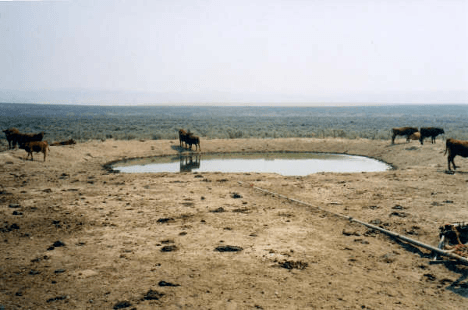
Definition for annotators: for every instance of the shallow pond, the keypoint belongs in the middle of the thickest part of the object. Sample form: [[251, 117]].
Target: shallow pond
[[287, 164]]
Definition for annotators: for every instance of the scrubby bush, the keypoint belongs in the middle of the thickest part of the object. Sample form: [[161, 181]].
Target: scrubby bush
[[124, 123]]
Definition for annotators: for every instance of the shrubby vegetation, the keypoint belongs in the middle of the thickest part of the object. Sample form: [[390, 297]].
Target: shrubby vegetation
[[62, 122]]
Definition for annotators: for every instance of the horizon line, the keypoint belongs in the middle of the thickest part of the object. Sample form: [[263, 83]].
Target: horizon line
[[239, 104]]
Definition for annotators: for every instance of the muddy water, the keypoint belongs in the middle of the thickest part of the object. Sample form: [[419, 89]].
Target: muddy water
[[287, 164]]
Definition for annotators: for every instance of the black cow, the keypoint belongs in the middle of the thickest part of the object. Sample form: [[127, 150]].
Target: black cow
[[432, 132], [11, 137], [192, 139], [403, 131], [454, 148], [23, 138]]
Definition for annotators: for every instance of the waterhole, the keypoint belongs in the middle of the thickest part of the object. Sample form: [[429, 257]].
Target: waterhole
[[287, 164]]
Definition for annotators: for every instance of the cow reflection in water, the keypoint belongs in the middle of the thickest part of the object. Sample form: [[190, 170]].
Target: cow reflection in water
[[187, 163]]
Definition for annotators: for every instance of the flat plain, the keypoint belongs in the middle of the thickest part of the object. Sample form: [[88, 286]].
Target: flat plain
[[77, 236]]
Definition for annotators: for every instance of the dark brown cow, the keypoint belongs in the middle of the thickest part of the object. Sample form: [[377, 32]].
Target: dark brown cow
[[432, 132], [68, 142], [192, 139], [403, 131], [454, 148], [182, 136], [11, 137], [36, 146], [23, 138]]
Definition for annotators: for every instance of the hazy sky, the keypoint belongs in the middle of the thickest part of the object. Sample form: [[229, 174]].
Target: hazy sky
[[271, 51]]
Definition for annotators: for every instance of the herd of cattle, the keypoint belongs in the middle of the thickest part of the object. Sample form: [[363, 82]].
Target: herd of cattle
[[30, 142], [415, 134], [33, 142], [452, 147], [189, 139]]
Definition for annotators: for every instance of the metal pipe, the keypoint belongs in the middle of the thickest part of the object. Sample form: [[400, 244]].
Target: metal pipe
[[385, 231]]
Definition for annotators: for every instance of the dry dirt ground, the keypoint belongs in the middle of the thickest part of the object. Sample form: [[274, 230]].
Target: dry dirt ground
[[76, 236]]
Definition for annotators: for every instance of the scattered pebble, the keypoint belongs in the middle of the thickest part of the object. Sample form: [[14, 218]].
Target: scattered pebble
[[165, 220], [293, 265], [236, 195], [122, 304], [164, 283], [57, 298], [169, 248], [218, 210], [152, 295], [56, 245], [228, 248], [399, 214]]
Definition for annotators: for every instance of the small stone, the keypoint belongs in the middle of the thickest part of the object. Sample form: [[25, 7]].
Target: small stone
[[236, 196], [168, 248], [228, 248], [164, 283], [153, 295], [58, 244], [122, 304]]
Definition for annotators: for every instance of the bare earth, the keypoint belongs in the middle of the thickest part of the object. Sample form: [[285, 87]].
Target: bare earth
[[75, 236]]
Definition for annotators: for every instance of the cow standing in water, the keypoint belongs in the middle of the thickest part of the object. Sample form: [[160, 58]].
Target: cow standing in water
[[432, 132], [454, 148], [403, 131]]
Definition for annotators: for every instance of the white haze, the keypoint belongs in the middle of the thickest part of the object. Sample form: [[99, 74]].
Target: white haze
[[274, 52]]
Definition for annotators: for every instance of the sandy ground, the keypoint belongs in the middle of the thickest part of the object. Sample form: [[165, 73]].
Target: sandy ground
[[75, 236]]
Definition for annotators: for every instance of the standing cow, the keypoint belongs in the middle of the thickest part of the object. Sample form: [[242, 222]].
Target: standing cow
[[432, 132], [23, 138], [182, 136], [403, 131], [36, 146], [454, 148], [11, 135], [192, 139]]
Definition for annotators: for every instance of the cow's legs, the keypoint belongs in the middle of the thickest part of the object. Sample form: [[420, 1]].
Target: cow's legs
[[450, 159]]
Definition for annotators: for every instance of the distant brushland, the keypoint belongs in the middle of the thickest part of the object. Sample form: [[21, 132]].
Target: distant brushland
[[81, 123]]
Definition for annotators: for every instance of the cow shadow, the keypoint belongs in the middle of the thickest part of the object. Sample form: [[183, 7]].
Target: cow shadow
[[459, 286], [180, 149], [455, 172], [400, 144]]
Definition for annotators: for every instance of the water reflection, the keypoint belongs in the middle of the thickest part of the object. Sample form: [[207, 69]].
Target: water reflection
[[289, 164], [189, 163]]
